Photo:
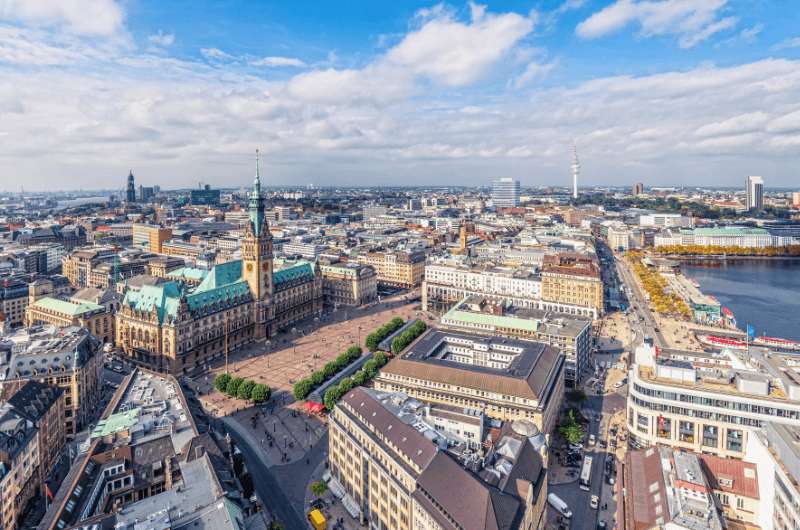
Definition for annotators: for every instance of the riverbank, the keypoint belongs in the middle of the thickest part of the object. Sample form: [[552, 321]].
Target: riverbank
[[726, 257]]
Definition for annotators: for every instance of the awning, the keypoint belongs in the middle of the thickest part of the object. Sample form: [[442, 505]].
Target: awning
[[351, 507], [336, 488]]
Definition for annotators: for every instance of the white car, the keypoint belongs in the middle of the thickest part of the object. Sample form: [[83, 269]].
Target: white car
[[594, 502], [592, 439]]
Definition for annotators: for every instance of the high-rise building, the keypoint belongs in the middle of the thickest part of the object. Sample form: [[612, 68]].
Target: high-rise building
[[576, 169], [638, 189], [754, 189], [130, 194], [796, 199], [505, 192]]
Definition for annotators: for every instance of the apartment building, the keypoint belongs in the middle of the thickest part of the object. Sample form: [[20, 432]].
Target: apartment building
[[348, 284], [396, 471], [573, 280], [396, 268], [19, 465], [69, 359], [571, 335], [506, 379], [708, 409]]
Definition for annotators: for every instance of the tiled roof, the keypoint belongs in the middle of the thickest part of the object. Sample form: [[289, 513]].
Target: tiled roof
[[731, 476]]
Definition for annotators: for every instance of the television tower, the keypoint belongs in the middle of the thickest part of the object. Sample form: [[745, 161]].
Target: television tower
[[576, 169]]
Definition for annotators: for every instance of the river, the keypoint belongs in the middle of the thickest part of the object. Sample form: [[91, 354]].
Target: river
[[764, 293]]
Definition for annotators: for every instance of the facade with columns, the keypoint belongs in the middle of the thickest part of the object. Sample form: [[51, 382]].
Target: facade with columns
[[173, 327]]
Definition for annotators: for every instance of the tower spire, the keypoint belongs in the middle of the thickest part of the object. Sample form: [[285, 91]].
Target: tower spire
[[257, 183]]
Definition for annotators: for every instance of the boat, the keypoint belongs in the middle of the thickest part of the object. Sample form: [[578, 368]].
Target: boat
[[728, 315], [716, 341], [774, 342]]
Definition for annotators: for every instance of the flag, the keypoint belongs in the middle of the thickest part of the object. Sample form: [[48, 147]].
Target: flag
[[47, 491], [751, 331]]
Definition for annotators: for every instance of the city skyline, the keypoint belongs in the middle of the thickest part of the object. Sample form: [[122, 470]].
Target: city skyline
[[663, 92]]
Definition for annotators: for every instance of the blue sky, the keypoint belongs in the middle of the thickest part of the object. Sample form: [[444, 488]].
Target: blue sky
[[662, 91]]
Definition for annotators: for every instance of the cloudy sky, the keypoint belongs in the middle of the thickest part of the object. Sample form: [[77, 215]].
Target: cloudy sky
[[364, 92]]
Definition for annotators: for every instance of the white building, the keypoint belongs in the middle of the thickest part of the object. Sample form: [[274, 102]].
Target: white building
[[754, 191], [505, 192], [666, 220]]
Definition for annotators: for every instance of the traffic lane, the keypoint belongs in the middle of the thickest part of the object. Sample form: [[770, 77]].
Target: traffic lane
[[269, 491]]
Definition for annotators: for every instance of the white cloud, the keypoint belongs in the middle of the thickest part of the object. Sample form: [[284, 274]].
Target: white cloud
[[742, 123], [691, 21], [786, 44], [533, 71], [215, 54], [276, 62], [162, 39], [84, 17]]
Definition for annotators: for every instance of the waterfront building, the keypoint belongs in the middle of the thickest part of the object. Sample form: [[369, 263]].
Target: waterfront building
[[175, 328], [394, 469], [69, 359], [571, 335], [396, 268], [699, 407], [573, 280], [725, 236], [505, 192], [505, 378], [348, 284], [150, 237], [754, 193], [147, 464], [666, 220]]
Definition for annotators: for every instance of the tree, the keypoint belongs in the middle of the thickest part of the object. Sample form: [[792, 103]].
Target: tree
[[380, 359], [571, 430], [346, 385], [360, 377], [302, 389], [317, 378], [232, 387], [332, 396], [319, 488], [371, 368], [221, 382], [329, 370], [245, 390], [261, 393]]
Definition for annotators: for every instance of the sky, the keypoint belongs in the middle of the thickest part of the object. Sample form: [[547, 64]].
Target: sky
[[666, 92]]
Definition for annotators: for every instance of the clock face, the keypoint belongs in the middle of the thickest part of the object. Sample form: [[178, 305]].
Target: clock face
[[249, 267]]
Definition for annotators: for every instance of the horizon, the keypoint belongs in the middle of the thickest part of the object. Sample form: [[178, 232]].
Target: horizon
[[665, 92]]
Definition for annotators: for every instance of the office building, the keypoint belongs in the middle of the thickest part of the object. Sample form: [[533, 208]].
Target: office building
[[505, 192], [130, 191], [723, 236], [146, 193], [204, 196], [69, 359], [571, 335], [150, 237], [77, 265], [638, 189], [507, 379], [396, 268], [96, 318], [348, 284], [754, 193], [394, 469], [573, 280], [666, 220]]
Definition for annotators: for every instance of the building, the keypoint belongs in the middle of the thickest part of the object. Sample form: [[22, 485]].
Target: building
[[661, 488], [348, 284], [130, 192], [754, 193], [146, 193], [396, 268], [394, 469], [149, 463], [724, 236], [204, 196], [19, 464], [504, 378], [77, 265], [44, 406], [698, 405], [174, 327], [573, 280], [99, 320], [14, 299], [372, 211], [505, 192], [666, 220], [796, 199], [150, 237], [638, 189], [571, 335], [69, 359]]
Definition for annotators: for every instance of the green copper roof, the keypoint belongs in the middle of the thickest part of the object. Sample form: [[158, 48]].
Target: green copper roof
[[200, 300], [494, 321], [293, 272], [221, 275], [188, 273], [731, 231], [121, 421], [69, 308], [165, 298]]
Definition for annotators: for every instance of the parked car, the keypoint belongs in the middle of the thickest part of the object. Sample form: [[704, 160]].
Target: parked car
[[594, 502], [592, 439]]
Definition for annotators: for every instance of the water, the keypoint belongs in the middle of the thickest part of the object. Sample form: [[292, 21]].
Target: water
[[764, 293]]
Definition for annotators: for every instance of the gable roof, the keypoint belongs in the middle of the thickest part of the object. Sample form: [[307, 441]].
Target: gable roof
[[68, 308], [165, 298]]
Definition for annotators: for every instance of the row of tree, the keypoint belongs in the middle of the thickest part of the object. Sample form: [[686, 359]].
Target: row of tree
[[654, 284], [376, 337], [361, 377], [245, 389], [714, 250], [407, 337], [305, 386]]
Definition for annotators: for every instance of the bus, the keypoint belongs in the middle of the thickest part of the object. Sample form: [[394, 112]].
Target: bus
[[586, 473]]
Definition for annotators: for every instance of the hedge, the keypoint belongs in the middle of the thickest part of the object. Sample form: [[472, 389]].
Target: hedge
[[407, 337], [305, 386], [361, 377], [374, 339]]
